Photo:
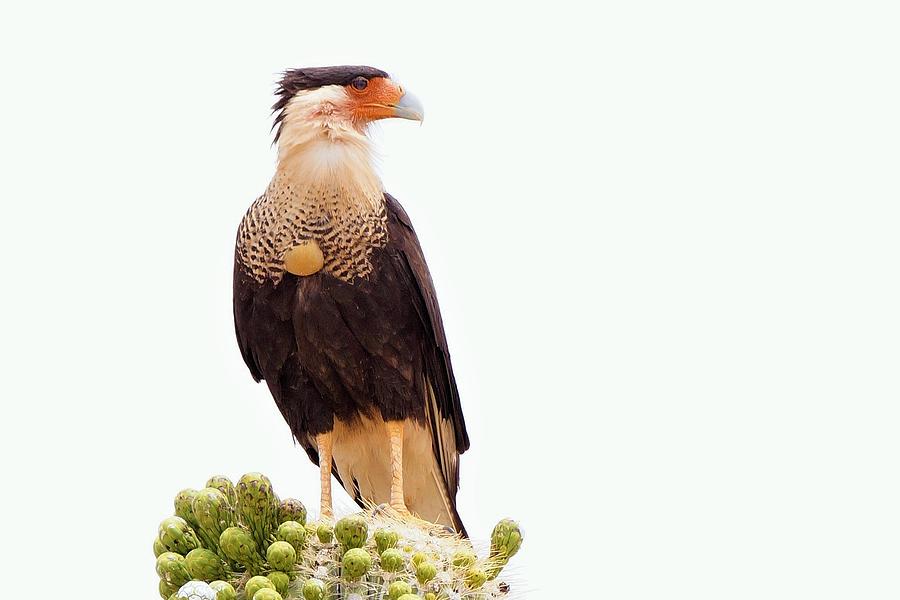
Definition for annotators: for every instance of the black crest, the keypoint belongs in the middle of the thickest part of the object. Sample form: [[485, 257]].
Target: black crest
[[309, 78]]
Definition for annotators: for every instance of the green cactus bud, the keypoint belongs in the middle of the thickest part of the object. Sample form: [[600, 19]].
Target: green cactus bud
[[177, 536], [204, 565], [184, 503], [425, 571], [291, 509], [463, 559], [267, 594], [214, 515], [239, 546], [294, 534], [166, 589], [409, 597], [281, 556], [325, 533], [224, 485], [351, 531], [158, 548], [281, 580], [398, 589], [506, 539], [224, 590], [314, 589], [430, 596], [392, 560], [356, 563], [254, 584], [172, 569], [386, 538], [418, 557], [475, 578], [257, 506]]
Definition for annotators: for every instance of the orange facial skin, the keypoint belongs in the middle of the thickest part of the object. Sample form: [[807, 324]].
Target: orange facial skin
[[377, 101]]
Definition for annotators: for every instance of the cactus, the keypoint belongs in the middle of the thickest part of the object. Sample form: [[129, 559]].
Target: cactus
[[250, 551]]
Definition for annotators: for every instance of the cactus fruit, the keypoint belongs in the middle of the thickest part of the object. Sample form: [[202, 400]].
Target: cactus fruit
[[224, 590], [356, 563], [425, 572], [386, 538], [196, 590], [158, 548], [475, 578], [293, 533], [392, 560], [267, 594], [417, 558], [291, 509], [325, 533], [257, 506], [172, 569], [314, 589], [254, 584], [351, 532], [464, 559], [281, 556], [506, 539], [213, 514], [184, 508], [398, 589], [281, 581], [177, 536], [166, 589], [224, 485], [240, 547], [204, 565], [409, 597]]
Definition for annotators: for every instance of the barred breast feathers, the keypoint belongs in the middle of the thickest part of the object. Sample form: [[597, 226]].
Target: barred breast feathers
[[325, 189]]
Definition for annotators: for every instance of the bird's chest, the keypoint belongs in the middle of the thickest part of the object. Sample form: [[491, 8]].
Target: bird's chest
[[345, 229]]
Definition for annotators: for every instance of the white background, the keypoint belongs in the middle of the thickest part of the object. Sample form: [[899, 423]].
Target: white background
[[664, 236]]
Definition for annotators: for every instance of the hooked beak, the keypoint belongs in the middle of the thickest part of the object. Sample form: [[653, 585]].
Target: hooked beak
[[409, 107]]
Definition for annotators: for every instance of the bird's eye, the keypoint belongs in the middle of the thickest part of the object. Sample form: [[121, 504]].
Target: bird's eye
[[360, 83]]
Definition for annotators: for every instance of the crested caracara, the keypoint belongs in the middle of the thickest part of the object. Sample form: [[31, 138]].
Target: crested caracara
[[334, 305]]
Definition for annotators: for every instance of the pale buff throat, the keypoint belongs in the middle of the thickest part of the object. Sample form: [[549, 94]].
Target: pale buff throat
[[324, 209]]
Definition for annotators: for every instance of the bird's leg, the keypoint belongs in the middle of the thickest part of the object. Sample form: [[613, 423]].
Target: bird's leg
[[395, 430], [324, 441]]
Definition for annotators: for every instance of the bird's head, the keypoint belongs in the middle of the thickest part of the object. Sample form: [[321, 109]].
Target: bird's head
[[336, 104]]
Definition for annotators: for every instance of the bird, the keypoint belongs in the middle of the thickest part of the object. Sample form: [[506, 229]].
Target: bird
[[335, 308]]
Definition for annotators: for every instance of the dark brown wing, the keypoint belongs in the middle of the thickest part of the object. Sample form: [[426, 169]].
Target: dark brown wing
[[443, 410]]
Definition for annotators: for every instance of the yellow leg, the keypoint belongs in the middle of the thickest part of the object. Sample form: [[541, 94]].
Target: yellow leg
[[324, 441], [395, 430]]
